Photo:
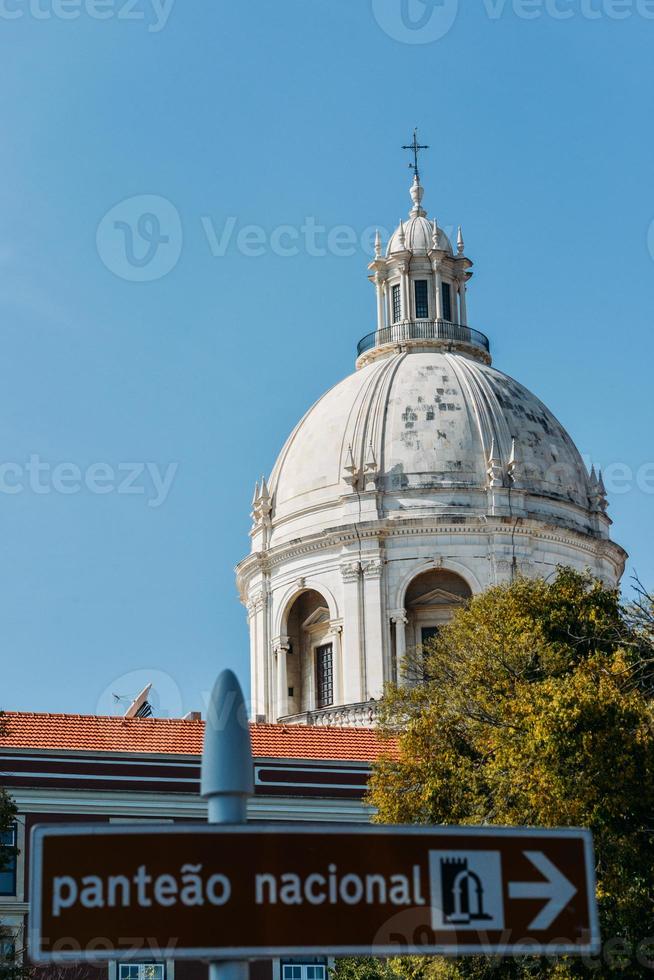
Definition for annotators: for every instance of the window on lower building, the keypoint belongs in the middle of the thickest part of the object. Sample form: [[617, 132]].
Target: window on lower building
[[446, 292], [397, 304], [304, 971], [8, 870], [422, 300], [324, 680], [141, 971]]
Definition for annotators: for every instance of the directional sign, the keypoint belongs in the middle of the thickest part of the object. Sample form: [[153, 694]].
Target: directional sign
[[211, 891]]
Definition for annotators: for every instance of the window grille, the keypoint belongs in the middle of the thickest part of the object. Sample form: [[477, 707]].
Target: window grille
[[397, 304], [422, 300], [324, 685]]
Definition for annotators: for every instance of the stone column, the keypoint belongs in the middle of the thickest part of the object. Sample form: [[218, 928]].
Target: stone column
[[281, 650], [380, 301], [438, 296], [374, 640], [464, 308], [454, 299], [353, 651], [258, 656], [406, 308], [400, 620]]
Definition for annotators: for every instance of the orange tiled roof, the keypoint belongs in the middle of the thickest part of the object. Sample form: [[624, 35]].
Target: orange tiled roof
[[97, 733]]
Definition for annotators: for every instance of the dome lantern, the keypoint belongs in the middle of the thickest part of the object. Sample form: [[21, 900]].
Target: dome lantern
[[421, 285]]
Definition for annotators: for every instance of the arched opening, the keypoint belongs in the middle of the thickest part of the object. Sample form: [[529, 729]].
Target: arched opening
[[310, 655], [431, 600]]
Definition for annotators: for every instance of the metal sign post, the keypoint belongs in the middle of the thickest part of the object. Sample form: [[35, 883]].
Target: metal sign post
[[227, 779]]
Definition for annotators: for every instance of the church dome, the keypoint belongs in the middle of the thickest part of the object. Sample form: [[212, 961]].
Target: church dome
[[433, 431], [421, 479]]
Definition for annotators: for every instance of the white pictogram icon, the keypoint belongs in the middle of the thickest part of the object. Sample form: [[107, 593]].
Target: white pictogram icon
[[466, 890]]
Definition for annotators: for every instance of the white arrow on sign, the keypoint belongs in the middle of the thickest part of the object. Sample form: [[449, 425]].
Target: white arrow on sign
[[557, 889]]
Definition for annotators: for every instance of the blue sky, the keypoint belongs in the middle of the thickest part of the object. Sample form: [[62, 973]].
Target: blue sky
[[268, 115]]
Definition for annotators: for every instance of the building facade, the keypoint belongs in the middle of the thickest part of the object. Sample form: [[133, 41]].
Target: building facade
[[424, 477], [76, 768]]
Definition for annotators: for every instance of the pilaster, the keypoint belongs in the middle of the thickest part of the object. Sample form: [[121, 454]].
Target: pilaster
[[353, 640]]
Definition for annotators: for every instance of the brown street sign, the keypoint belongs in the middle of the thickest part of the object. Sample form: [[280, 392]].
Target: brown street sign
[[109, 892]]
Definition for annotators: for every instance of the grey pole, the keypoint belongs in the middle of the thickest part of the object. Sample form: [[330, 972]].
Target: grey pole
[[227, 779]]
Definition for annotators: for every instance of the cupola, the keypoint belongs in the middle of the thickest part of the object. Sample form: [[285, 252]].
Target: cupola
[[421, 286]]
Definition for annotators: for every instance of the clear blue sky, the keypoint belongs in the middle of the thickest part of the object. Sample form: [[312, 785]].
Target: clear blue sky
[[267, 114]]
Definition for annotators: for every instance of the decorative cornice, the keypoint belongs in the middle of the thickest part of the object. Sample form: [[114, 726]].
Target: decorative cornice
[[480, 526]]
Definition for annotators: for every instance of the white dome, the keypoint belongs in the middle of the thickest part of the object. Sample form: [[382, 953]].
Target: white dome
[[425, 476], [433, 420], [418, 234]]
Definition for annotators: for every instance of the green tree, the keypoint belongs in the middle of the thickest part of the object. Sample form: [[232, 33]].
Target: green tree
[[535, 707]]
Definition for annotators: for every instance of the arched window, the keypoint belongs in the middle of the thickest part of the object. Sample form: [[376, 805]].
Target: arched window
[[310, 654], [430, 602]]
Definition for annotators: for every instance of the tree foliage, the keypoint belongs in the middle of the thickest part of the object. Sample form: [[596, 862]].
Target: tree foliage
[[536, 707]]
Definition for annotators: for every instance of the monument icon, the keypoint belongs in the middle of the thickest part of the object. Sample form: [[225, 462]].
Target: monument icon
[[466, 889]]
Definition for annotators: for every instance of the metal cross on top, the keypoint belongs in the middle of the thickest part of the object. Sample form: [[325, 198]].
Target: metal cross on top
[[415, 147]]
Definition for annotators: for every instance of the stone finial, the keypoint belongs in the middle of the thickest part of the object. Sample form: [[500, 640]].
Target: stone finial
[[351, 470], [460, 245], [495, 474], [434, 233], [597, 496], [370, 468], [264, 503], [378, 245], [401, 236], [417, 193], [255, 513]]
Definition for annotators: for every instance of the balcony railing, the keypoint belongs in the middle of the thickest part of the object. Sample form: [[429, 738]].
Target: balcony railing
[[362, 715], [423, 330]]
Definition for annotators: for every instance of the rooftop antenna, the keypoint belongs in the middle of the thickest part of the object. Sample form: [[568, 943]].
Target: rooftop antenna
[[415, 147], [140, 706]]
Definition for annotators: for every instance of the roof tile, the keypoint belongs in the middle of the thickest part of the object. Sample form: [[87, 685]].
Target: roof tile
[[175, 736]]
